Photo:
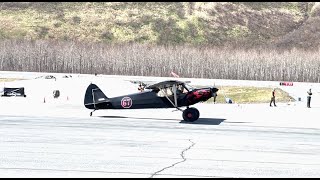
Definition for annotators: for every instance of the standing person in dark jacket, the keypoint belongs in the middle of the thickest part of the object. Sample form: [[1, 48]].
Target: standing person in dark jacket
[[309, 98], [215, 97], [273, 98]]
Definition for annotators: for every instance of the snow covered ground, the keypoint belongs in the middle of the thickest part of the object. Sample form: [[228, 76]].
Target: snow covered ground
[[297, 91], [45, 137]]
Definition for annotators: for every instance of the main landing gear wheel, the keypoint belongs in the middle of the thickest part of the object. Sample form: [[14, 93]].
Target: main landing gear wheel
[[191, 114]]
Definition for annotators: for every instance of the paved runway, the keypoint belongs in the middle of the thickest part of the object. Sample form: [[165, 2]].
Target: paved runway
[[55, 140]]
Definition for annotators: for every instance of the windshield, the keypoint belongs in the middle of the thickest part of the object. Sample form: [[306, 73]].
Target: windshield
[[189, 87]]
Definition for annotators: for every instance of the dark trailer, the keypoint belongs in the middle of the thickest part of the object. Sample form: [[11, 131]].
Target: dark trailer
[[14, 92]]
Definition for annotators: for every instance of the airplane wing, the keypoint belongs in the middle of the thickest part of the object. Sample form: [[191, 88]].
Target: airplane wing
[[143, 83], [165, 84]]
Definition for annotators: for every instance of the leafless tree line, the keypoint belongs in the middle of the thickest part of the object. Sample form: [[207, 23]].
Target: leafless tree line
[[155, 60]]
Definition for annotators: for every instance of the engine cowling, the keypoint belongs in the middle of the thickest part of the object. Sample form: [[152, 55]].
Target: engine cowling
[[198, 95]]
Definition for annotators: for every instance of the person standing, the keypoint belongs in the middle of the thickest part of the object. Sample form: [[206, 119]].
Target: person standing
[[273, 98], [214, 97], [141, 88], [309, 98]]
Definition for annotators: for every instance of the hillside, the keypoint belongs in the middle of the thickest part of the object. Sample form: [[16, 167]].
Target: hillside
[[284, 24]]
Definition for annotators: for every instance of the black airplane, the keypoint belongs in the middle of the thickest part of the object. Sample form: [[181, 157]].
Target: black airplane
[[166, 94]]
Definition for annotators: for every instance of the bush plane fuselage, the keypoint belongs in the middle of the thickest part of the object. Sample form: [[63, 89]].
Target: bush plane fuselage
[[166, 94]]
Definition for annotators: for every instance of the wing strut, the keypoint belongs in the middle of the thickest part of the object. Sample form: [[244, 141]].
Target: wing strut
[[175, 104]]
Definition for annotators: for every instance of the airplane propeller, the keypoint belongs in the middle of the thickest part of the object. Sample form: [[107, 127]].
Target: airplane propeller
[[213, 90]]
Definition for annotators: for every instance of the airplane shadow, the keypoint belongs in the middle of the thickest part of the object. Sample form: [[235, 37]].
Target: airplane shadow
[[112, 116], [204, 121], [135, 117]]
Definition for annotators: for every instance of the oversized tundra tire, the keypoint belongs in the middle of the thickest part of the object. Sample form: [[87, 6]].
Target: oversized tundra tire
[[190, 114]]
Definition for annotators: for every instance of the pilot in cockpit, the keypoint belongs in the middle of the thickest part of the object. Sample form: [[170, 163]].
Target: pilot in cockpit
[[181, 89]]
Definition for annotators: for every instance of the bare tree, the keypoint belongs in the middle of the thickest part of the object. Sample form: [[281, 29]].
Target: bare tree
[[159, 60]]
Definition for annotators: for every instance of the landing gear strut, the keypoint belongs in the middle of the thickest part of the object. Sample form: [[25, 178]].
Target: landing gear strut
[[190, 114]]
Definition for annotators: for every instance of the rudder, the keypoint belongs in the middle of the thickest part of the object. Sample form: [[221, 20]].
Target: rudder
[[94, 97]]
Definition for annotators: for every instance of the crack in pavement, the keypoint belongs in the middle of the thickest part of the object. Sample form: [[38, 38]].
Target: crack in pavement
[[183, 160]]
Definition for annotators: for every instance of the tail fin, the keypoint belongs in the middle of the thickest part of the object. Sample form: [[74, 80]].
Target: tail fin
[[94, 97]]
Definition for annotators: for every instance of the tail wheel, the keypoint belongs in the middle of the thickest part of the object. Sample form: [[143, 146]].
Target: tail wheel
[[191, 114]]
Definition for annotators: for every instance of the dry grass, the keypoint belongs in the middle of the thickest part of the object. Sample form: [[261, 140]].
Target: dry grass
[[215, 23], [140, 38], [9, 79], [243, 95]]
